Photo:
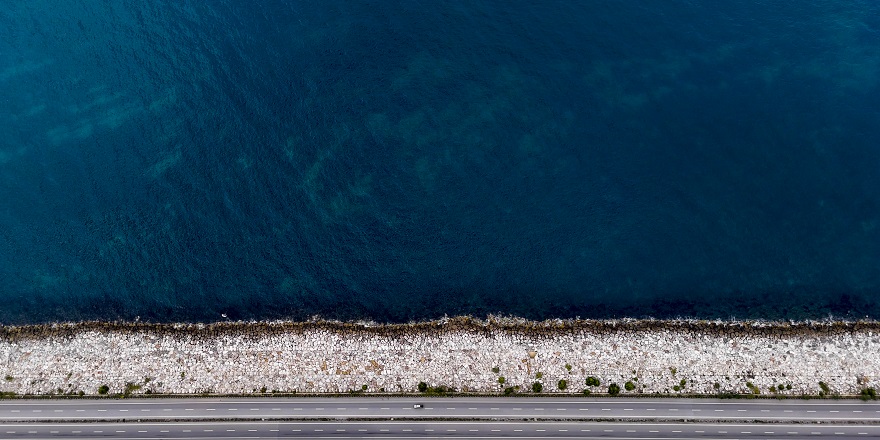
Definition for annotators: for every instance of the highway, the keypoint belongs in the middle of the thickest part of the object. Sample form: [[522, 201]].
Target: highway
[[622, 418], [421, 429], [474, 408]]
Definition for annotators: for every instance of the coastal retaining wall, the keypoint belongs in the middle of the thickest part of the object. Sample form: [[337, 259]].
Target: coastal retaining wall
[[462, 353]]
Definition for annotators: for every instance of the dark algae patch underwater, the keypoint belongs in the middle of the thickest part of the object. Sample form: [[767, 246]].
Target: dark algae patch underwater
[[395, 161]]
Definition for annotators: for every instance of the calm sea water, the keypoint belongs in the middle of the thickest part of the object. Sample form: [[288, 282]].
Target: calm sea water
[[397, 160]]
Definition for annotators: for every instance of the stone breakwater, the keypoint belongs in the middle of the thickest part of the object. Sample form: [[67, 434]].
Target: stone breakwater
[[469, 355]]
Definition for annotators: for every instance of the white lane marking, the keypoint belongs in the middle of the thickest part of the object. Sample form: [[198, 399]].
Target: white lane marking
[[585, 430], [740, 410], [540, 430], [769, 432], [838, 433], [80, 410], [75, 432], [565, 430], [539, 409], [696, 410], [59, 410], [473, 430], [609, 430], [255, 409], [145, 410], [517, 430], [362, 430], [362, 409], [96, 432], [606, 409], [630, 409], [319, 409], [429, 430], [446, 408], [450, 430], [407, 430], [496, 430], [188, 409], [338, 430], [123, 410], [340, 409], [231, 409], [390, 408], [745, 432], [583, 409], [494, 409], [722, 432], [208, 430], [295, 430], [471, 408], [791, 432], [300, 409], [651, 409], [167, 409], [786, 410], [856, 411], [116, 431], [833, 411], [517, 409], [39, 410], [673, 409], [10, 432], [56, 432], [765, 410], [187, 430], [700, 431], [254, 430], [676, 431], [319, 430], [18, 410], [810, 411], [230, 430], [719, 410], [273, 430], [630, 430], [210, 409], [560, 409], [383, 430], [653, 431]]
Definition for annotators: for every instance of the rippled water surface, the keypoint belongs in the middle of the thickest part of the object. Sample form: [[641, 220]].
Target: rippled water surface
[[179, 160]]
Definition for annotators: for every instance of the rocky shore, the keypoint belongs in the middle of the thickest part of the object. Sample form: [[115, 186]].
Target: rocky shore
[[496, 355]]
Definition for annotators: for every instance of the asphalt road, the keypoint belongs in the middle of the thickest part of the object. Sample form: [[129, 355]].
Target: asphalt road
[[424, 429], [434, 408]]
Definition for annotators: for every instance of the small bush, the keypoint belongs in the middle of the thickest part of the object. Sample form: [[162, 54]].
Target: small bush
[[717, 385], [772, 388], [495, 370], [629, 386], [103, 389], [508, 391], [673, 370], [568, 367], [501, 380], [788, 386], [539, 375], [9, 378], [592, 381], [586, 392], [423, 387], [614, 389], [363, 387], [824, 387], [676, 388], [683, 382], [563, 384], [537, 387], [263, 390], [868, 394]]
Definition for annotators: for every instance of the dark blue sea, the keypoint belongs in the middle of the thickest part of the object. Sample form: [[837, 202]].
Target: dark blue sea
[[177, 160]]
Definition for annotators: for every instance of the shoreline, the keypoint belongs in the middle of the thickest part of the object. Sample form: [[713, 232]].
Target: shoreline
[[495, 356]]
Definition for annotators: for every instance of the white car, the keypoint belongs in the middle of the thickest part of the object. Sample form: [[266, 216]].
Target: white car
[[418, 406]]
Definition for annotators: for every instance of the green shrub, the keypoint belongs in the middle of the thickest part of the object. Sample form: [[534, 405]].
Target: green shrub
[[868, 394], [103, 389], [537, 387], [824, 387], [629, 386], [676, 388], [673, 370], [717, 385], [683, 382], [263, 390], [539, 375], [568, 367], [501, 380], [772, 388], [508, 391], [788, 386], [592, 381], [423, 387], [586, 392], [9, 378], [363, 387], [562, 384], [495, 370], [614, 389]]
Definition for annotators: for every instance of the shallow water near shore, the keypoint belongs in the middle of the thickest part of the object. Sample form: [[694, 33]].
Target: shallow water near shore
[[189, 161]]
